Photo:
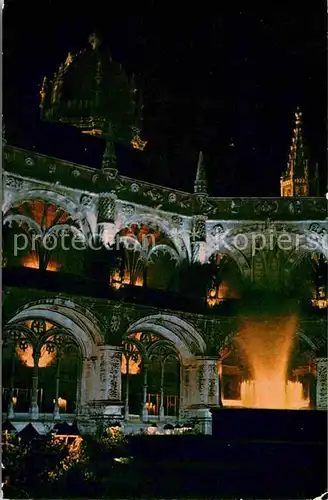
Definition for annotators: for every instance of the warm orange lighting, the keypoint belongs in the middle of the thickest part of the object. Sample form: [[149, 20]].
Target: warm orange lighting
[[217, 295], [320, 303], [267, 346], [134, 366], [62, 404], [117, 282], [32, 261], [138, 143], [273, 394], [94, 131], [26, 357]]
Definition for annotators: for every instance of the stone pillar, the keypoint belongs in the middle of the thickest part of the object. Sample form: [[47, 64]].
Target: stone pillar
[[322, 384], [200, 387], [56, 407], [87, 381], [110, 381], [34, 408]]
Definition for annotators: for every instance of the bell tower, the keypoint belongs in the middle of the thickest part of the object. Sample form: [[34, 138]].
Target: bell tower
[[295, 181]]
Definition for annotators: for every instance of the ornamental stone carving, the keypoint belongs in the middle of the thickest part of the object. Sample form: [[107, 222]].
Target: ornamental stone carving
[[106, 208], [12, 182], [86, 201], [316, 228], [110, 173], [217, 231], [266, 207], [128, 209], [29, 161], [115, 323], [154, 194], [322, 383], [295, 207], [172, 198], [52, 168], [177, 221], [134, 188], [110, 373], [199, 229]]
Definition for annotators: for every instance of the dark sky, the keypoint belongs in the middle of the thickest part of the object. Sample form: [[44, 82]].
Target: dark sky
[[228, 84]]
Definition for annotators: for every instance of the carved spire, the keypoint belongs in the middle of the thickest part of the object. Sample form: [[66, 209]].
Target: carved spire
[[109, 158], [297, 161], [200, 185], [295, 181]]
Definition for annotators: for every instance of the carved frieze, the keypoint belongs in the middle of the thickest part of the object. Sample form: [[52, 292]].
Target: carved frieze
[[13, 182], [154, 194], [322, 384], [128, 209], [266, 207]]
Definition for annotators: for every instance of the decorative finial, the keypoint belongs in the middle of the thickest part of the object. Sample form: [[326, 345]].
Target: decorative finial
[[69, 59], [298, 116], [94, 40], [4, 133], [43, 91], [200, 186], [109, 158]]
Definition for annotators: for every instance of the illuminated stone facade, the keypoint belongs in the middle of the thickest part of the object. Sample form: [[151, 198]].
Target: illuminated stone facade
[[188, 229]]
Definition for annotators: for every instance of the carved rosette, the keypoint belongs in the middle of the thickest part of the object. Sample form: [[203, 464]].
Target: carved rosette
[[198, 233], [106, 208], [322, 383]]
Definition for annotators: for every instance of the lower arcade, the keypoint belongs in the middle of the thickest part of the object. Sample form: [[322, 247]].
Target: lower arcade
[[146, 366]]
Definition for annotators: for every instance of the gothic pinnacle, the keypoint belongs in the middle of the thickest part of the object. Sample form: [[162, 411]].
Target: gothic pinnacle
[[109, 157], [94, 40], [200, 185]]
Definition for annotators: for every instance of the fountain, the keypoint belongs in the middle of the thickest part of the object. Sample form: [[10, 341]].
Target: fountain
[[266, 347]]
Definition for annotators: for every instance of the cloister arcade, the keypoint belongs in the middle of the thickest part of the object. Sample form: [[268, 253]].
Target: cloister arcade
[[102, 357], [56, 364]]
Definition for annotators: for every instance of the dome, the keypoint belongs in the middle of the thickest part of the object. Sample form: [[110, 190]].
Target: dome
[[92, 92]]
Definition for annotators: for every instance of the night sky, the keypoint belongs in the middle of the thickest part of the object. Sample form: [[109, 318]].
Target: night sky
[[228, 84]]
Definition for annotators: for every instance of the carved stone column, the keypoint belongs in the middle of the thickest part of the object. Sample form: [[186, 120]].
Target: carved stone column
[[88, 382], [322, 384], [110, 381], [200, 390]]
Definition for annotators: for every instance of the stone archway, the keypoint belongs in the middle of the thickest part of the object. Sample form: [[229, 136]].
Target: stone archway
[[199, 380], [186, 339], [82, 328]]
